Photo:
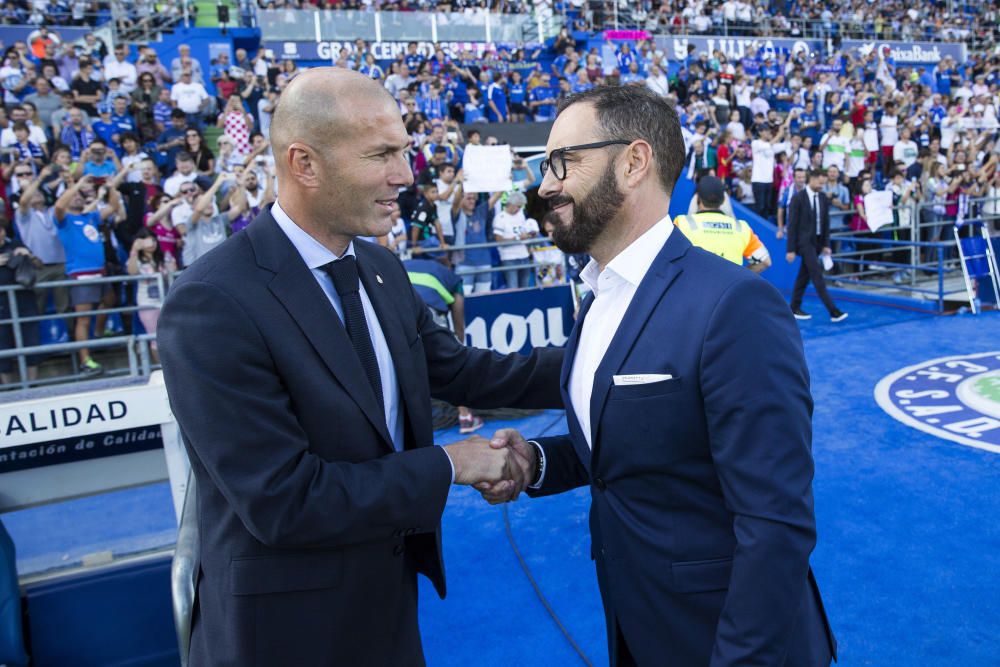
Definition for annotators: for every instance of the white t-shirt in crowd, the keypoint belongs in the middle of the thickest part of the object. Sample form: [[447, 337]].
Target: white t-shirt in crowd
[[835, 151], [762, 170], [444, 209], [856, 155], [188, 96], [890, 130], [905, 152], [173, 184], [736, 129], [511, 227], [871, 138], [134, 175]]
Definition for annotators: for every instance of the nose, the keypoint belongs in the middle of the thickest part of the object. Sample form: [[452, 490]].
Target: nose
[[402, 175], [550, 186]]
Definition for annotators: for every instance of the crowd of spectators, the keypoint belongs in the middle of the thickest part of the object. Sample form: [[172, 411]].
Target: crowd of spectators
[[105, 171], [835, 19], [927, 133], [977, 23]]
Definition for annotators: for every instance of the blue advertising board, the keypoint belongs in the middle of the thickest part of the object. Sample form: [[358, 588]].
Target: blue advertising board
[[910, 53], [519, 320], [904, 53], [676, 48], [383, 51]]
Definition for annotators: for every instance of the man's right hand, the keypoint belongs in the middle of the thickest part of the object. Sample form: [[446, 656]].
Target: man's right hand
[[476, 461], [522, 456], [790, 257]]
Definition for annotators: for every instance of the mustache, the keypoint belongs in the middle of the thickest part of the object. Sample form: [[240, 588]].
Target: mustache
[[558, 201]]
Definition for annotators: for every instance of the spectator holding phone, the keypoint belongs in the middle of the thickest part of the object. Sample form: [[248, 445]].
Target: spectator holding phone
[[98, 162], [207, 228], [79, 226], [36, 228], [146, 258]]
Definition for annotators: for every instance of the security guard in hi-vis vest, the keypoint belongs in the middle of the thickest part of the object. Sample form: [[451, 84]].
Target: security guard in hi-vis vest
[[719, 233]]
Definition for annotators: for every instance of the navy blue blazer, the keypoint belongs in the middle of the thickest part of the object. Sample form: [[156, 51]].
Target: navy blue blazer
[[312, 527], [702, 510]]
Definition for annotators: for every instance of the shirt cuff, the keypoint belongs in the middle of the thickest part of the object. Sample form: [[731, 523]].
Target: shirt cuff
[[451, 463], [541, 475]]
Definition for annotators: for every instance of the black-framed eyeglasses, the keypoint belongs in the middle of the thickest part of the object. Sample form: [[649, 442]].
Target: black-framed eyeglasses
[[557, 158]]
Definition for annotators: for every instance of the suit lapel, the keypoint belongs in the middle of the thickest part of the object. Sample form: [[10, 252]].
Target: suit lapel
[[572, 420], [394, 332], [654, 286], [296, 288]]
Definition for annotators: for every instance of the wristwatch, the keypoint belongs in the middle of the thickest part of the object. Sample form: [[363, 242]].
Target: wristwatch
[[536, 474]]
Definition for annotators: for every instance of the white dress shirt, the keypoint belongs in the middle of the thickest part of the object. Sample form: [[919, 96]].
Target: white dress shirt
[[613, 288], [316, 255], [814, 203]]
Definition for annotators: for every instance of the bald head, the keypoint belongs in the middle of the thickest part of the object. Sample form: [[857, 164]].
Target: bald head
[[323, 104], [339, 146]]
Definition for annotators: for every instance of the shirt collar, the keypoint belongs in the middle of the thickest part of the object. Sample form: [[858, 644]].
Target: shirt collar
[[632, 264], [313, 253]]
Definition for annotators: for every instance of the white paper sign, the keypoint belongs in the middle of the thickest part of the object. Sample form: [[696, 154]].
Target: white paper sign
[[878, 209], [487, 169]]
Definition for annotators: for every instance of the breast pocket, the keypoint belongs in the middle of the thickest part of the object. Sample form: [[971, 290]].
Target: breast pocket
[[647, 390]]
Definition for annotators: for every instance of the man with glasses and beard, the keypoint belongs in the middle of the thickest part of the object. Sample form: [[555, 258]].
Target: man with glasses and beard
[[689, 412]]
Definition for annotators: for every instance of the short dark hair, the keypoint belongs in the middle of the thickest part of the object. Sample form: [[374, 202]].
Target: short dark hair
[[184, 156], [20, 125], [817, 173], [635, 112], [177, 113]]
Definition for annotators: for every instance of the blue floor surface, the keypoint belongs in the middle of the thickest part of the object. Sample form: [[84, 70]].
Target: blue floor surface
[[908, 558]]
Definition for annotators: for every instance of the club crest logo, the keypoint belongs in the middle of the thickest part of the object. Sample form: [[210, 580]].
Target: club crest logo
[[955, 398]]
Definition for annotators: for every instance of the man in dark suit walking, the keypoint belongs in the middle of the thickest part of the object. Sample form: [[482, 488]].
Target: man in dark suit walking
[[300, 365], [688, 406], [809, 238]]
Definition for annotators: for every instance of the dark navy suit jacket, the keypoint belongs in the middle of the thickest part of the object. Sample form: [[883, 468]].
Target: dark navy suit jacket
[[312, 527], [702, 510]]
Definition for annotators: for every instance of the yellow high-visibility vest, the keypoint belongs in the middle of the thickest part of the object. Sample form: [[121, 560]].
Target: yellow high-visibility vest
[[720, 234]]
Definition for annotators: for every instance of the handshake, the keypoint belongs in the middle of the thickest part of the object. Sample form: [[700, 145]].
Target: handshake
[[500, 468]]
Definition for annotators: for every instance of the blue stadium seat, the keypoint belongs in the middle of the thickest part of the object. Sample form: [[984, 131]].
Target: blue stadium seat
[[12, 651]]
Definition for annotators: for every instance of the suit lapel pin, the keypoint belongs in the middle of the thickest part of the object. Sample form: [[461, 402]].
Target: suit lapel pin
[[378, 278]]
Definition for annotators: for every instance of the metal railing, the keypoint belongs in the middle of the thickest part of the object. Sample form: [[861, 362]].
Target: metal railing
[[137, 347], [916, 255], [466, 270]]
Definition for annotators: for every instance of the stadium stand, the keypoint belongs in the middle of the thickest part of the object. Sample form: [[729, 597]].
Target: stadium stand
[[913, 122]]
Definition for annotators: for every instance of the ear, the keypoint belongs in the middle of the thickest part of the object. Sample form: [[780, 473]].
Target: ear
[[639, 163], [303, 164]]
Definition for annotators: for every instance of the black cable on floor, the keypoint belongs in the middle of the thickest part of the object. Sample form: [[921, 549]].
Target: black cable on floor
[[539, 593], [534, 584]]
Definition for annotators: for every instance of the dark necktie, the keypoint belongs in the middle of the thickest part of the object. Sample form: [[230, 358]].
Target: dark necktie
[[815, 211], [344, 273]]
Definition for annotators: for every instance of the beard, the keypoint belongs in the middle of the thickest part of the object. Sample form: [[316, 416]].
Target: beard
[[590, 217]]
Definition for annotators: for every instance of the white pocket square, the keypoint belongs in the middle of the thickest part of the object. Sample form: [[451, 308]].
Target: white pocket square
[[643, 378]]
